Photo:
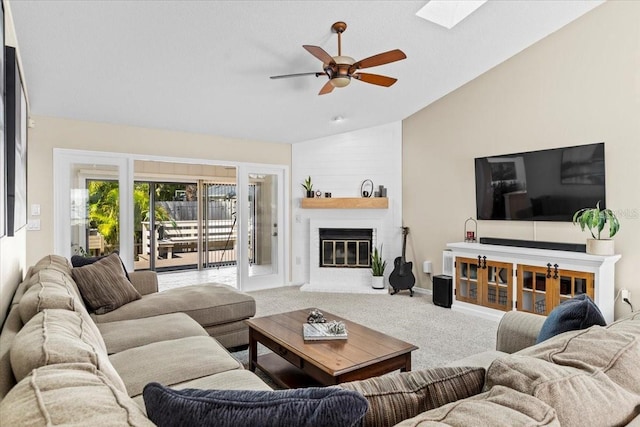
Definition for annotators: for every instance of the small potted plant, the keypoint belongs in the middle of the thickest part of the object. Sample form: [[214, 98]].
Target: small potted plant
[[594, 219], [308, 186], [377, 269]]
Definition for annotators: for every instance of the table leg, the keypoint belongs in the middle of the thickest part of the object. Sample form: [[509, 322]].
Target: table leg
[[253, 351], [407, 364]]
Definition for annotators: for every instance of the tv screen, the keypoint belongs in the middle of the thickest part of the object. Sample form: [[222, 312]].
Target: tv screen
[[545, 185]]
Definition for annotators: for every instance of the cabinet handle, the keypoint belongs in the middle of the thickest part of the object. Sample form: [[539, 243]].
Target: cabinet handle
[[479, 262], [548, 270], [555, 271], [484, 262]]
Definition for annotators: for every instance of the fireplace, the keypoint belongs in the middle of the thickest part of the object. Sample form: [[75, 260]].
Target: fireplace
[[345, 247]]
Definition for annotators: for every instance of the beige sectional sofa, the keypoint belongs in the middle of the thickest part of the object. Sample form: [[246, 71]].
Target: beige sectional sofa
[[61, 365]]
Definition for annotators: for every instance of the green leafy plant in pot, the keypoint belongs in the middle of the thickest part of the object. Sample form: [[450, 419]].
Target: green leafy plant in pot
[[595, 219], [377, 268], [308, 186]]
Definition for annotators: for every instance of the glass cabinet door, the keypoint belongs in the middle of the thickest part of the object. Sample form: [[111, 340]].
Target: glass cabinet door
[[498, 285], [467, 284], [532, 290], [572, 283]]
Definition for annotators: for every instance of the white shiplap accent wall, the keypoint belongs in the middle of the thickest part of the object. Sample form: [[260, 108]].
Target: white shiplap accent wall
[[339, 164]]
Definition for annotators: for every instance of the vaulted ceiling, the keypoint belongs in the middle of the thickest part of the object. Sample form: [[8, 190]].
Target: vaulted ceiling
[[204, 66]]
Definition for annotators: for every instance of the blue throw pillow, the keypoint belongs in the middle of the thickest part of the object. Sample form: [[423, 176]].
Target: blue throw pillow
[[579, 312], [312, 407]]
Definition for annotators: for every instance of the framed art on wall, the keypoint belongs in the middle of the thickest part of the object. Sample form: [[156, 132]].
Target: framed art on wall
[[16, 145], [3, 169]]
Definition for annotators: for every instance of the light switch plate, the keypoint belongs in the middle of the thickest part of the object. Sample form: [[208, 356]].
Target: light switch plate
[[33, 224]]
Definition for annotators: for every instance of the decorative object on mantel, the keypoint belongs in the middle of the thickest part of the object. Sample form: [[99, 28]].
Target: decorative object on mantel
[[470, 234], [382, 191], [308, 186], [377, 268], [318, 193], [366, 189], [327, 195], [594, 219]]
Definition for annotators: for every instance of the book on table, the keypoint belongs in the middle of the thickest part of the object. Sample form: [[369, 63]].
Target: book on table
[[320, 331]]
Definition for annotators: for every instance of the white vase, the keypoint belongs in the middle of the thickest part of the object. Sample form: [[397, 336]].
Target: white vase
[[600, 247], [377, 282]]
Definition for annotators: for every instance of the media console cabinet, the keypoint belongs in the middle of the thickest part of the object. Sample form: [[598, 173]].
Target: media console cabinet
[[491, 279]]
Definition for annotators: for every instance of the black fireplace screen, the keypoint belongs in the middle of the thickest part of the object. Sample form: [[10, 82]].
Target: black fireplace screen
[[345, 247]]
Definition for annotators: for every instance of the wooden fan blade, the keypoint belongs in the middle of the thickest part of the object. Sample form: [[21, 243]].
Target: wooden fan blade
[[379, 59], [327, 88], [319, 53], [375, 79], [285, 76]]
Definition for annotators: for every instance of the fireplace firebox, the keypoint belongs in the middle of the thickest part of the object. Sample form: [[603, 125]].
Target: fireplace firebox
[[345, 247]]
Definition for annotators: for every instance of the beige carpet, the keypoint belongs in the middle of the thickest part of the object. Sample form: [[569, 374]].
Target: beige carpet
[[441, 334]]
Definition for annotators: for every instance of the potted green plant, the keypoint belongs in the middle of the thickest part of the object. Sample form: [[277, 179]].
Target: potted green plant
[[595, 219], [308, 186], [377, 268]]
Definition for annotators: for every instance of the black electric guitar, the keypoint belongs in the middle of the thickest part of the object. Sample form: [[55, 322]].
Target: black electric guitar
[[402, 275]]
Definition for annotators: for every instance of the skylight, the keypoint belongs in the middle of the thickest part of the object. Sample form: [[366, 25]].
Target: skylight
[[449, 13]]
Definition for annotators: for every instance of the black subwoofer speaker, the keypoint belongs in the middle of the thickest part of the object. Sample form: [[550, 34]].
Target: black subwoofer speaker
[[442, 290]]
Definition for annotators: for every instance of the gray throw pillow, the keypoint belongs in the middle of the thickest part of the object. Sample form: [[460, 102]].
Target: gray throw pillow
[[103, 285], [396, 397], [311, 407], [579, 312]]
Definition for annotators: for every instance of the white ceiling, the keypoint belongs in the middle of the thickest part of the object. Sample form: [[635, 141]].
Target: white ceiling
[[204, 66]]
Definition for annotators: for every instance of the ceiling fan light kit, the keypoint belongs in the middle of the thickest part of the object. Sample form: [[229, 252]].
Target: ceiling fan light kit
[[340, 69]]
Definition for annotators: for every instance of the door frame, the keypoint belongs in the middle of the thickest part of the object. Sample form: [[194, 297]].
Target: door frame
[[245, 281], [62, 161]]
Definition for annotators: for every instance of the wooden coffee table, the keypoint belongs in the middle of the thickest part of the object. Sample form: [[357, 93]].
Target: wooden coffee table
[[299, 363]]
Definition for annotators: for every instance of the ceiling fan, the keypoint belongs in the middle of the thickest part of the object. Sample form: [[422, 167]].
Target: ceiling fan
[[341, 69]]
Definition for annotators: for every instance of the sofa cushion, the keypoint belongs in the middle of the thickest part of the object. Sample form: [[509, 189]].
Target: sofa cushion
[[60, 336], [125, 334], [500, 406], [49, 289], [104, 286], [172, 362], [70, 395], [55, 262], [208, 304], [396, 397], [579, 312], [312, 407], [579, 373], [10, 328]]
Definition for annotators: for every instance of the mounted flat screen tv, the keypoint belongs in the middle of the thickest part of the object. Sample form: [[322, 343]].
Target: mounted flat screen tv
[[544, 185]]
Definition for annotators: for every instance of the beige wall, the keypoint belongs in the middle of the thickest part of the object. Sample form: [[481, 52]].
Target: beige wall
[[50, 133], [579, 85]]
